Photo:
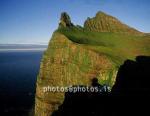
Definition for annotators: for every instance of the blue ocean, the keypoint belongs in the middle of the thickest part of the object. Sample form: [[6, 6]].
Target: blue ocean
[[18, 74]]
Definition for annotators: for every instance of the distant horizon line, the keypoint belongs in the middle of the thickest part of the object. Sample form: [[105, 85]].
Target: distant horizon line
[[23, 44], [33, 49]]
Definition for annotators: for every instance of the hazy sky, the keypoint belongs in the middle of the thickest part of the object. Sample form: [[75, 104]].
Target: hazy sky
[[33, 21]]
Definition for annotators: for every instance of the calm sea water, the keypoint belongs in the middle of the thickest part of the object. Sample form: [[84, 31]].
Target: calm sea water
[[18, 72]]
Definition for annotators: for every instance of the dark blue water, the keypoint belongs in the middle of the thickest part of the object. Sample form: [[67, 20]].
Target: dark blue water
[[18, 72]]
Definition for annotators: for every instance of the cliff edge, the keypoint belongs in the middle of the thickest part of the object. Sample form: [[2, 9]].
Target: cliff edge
[[76, 55]]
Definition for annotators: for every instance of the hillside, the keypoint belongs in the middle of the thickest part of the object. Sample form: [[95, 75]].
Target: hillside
[[77, 54]]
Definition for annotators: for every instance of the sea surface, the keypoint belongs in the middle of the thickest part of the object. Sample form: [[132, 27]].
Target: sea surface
[[18, 74]]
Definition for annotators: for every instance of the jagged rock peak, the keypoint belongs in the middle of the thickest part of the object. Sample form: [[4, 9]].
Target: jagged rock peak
[[100, 13], [65, 20], [103, 22]]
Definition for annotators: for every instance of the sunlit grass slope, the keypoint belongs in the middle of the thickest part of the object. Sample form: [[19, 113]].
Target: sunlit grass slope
[[117, 46]]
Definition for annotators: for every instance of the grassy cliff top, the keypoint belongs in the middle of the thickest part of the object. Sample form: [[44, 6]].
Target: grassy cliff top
[[118, 47], [117, 40]]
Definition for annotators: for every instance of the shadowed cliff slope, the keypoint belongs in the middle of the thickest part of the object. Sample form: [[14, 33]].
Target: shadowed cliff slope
[[76, 55], [129, 96], [133, 77]]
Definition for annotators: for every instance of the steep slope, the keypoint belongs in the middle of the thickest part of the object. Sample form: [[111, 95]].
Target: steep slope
[[75, 55], [66, 63]]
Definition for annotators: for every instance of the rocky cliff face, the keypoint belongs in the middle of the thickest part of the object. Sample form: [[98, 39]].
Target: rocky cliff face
[[67, 63], [64, 64]]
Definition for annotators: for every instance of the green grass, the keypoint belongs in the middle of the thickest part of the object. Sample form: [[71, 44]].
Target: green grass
[[117, 46]]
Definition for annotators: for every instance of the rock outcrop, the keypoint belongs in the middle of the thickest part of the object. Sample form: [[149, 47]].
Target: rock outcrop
[[65, 20], [103, 22]]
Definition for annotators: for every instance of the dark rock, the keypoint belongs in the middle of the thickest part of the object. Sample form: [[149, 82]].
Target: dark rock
[[65, 20]]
